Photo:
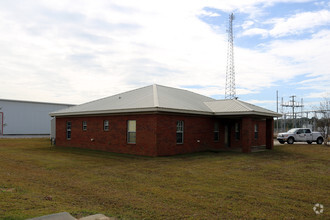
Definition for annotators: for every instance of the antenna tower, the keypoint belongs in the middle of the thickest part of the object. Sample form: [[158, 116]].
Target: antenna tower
[[230, 90]]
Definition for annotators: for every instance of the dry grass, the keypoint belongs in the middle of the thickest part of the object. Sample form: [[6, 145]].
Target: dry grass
[[281, 184]]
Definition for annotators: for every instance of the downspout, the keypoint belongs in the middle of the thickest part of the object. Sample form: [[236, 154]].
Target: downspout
[[1, 113]]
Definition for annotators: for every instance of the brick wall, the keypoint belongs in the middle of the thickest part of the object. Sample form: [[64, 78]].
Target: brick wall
[[114, 140], [261, 140], [156, 133], [198, 134]]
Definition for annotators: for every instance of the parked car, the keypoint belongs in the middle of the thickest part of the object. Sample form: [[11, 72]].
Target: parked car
[[300, 135]]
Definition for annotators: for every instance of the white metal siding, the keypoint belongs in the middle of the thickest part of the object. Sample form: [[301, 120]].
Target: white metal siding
[[22, 117]]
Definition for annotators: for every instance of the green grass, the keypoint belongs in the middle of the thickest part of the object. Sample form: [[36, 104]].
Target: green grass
[[281, 184]]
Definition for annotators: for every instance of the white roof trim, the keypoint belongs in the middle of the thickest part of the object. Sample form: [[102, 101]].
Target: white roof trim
[[136, 110]]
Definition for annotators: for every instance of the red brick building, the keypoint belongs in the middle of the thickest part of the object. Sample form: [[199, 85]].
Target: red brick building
[[158, 121]]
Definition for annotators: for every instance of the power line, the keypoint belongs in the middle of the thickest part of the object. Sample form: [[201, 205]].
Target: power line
[[293, 105]]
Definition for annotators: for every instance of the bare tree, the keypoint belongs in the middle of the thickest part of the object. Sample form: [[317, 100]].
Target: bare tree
[[323, 121]]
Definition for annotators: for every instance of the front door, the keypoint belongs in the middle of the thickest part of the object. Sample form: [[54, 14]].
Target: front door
[[227, 136]]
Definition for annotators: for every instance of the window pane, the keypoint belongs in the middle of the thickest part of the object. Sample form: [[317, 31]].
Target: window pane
[[179, 132], [131, 137], [131, 131], [179, 138], [236, 127], [179, 126], [131, 126], [216, 136], [68, 130], [106, 125], [216, 126]]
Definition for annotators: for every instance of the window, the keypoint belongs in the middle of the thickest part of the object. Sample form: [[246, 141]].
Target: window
[[106, 125], [237, 131], [68, 130], [300, 131], [131, 131], [216, 131], [256, 131], [179, 132], [307, 131], [84, 125]]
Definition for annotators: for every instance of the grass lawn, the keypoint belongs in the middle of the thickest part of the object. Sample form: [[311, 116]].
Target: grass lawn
[[37, 179]]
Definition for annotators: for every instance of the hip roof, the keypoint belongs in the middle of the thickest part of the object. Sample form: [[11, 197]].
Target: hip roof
[[164, 99]]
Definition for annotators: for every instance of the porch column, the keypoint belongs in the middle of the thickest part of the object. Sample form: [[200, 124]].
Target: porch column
[[270, 133], [247, 133]]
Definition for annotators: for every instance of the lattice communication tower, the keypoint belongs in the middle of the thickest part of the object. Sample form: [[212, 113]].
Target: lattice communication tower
[[230, 90]]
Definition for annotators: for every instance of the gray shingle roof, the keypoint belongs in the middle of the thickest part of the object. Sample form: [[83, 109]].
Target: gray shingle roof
[[238, 107], [166, 99]]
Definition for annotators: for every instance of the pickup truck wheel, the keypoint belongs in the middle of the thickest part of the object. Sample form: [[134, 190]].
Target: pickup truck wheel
[[319, 140], [309, 142], [290, 140], [281, 142]]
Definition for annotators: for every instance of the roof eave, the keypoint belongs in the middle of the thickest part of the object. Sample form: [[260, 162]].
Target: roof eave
[[270, 114], [133, 110], [161, 109]]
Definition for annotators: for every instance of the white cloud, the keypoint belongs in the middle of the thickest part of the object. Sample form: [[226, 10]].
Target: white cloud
[[293, 25], [300, 22], [209, 14], [247, 24], [256, 31], [321, 95], [67, 52]]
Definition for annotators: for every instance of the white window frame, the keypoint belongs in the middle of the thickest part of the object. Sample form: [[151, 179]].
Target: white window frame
[[84, 125], [68, 130], [105, 125], [180, 130], [256, 131], [129, 132]]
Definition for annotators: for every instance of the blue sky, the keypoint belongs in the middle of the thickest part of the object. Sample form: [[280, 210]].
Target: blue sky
[[61, 51]]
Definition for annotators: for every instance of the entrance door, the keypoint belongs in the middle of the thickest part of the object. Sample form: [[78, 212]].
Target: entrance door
[[227, 136]]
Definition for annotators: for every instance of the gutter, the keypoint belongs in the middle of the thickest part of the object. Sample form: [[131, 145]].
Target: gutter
[[159, 109]]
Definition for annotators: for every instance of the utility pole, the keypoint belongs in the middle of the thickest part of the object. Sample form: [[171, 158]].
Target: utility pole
[[293, 104], [230, 90]]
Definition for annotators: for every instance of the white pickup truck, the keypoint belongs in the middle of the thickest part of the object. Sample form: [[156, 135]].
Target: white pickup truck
[[300, 135]]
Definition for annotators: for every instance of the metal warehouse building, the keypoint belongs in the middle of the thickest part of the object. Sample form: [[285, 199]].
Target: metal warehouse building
[[26, 117]]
